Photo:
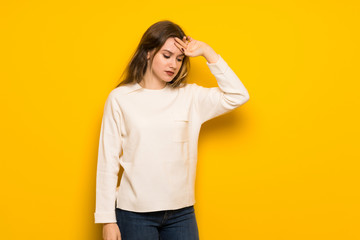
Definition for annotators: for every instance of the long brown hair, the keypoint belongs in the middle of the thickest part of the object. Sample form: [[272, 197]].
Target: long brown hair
[[154, 38]]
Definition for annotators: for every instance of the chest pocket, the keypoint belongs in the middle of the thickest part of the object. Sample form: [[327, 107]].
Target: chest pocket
[[181, 127]]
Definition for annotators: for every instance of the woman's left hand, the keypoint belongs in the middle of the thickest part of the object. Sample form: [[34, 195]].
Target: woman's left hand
[[193, 48]]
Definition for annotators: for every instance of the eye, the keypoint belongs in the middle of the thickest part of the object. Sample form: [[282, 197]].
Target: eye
[[180, 60], [166, 56]]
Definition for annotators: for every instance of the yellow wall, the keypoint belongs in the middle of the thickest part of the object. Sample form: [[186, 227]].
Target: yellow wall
[[284, 166]]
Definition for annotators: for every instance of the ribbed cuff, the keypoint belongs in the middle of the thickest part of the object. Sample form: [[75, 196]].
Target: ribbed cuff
[[105, 217]]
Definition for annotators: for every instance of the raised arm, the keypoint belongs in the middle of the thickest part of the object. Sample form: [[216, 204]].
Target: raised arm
[[215, 101]]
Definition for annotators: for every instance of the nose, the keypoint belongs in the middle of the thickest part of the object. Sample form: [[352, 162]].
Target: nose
[[173, 63]]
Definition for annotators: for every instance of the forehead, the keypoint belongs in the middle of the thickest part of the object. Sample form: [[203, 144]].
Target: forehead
[[170, 45]]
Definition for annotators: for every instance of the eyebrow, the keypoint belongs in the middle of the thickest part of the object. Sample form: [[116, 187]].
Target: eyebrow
[[172, 52]]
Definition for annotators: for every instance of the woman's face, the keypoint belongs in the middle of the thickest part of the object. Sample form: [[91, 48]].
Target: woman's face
[[168, 59]]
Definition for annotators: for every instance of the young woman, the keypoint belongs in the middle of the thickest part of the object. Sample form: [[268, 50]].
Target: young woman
[[150, 127]]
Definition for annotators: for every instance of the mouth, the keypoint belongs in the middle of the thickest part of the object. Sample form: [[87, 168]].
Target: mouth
[[170, 73]]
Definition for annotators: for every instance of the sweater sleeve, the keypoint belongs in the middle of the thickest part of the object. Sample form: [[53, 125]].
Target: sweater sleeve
[[215, 101], [110, 147]]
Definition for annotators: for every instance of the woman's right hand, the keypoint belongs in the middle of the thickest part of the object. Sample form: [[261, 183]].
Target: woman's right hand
[[111, 231]]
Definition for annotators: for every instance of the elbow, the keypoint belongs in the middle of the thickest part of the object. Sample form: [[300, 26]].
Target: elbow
[[240, 99], [246, 98], [243, 100], [236, 100]]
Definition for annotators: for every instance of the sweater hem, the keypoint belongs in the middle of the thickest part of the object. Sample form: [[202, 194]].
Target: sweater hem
[[125, 205]]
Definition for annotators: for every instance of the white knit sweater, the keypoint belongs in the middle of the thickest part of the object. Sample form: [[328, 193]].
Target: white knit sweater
[[153, 135]]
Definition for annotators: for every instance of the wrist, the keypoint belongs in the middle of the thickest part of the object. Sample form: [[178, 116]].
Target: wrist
[[210, 55]]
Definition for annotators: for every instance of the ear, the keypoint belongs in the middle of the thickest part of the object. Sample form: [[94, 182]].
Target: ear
[[150, 54]]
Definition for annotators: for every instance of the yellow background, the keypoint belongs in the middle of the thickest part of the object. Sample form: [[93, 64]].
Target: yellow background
[[283, 166]]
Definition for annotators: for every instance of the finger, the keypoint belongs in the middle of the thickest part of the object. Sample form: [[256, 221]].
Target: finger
[[182, 49], [178, 40], [188, 39]]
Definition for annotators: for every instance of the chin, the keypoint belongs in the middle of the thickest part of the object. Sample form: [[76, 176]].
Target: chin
[[168, 80]]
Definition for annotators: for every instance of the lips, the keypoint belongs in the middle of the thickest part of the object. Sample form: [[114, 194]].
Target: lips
[[170, 73]]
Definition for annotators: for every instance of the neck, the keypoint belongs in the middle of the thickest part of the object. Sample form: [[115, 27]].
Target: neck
[[150, 82]]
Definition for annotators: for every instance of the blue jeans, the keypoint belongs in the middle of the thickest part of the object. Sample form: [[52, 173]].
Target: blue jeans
[[179, 224]]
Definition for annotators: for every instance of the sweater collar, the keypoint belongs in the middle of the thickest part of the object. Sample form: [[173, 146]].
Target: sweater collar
[[132, 87], [136, 86]]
